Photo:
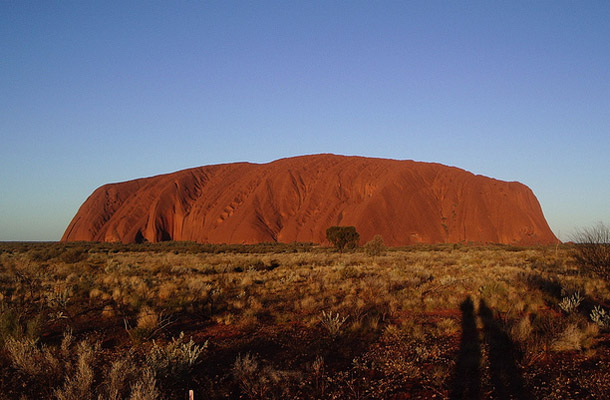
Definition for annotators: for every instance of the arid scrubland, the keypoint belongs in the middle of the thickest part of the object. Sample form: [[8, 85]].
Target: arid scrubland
[[88, 321]]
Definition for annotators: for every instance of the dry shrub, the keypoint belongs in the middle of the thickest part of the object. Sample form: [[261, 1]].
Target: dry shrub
[[600, 317], [246, 373], [332, 323], [75, 255], [569, 304], [167, 290], [319, 375], [351, 272], [146, 387], [522, 330], [570, 339], [248, 321], [307, 304], [31, 359], [80, 370], [591, 331], [148, 324], [10, 324], [262, 382], [78, 384], [96, 293], [448, 326], [148, 319], [375, 247], [592, 250], [122, 372], [108, 312], [175, 358]]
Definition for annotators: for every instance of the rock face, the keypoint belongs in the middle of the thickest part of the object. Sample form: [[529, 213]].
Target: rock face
[[296, 199]]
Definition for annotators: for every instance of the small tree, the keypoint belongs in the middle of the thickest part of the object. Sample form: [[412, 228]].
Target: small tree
[[375, 247], [592, 250], [342, 237]]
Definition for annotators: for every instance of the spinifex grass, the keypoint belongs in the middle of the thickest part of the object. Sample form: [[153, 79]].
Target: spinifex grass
[[297, 322]]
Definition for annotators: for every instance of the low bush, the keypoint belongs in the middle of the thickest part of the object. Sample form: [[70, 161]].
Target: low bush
[[343, 237], [375, 247], [592, 250], [569, 304], [600, 317], [72, 256], [332, 323], [175, 358]]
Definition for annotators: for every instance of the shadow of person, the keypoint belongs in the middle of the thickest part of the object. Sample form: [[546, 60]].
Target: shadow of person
[[467, 379], [505, 376]]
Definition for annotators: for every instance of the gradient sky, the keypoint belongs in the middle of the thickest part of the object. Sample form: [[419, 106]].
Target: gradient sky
[[99, 92]]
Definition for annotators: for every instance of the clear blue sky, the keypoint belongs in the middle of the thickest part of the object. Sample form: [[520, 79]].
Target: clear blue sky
[[99, 92]]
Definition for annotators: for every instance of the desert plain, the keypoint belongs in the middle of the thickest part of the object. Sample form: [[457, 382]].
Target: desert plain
[[300, 321]]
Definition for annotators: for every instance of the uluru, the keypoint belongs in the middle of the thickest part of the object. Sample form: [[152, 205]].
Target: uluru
[[296, 199]]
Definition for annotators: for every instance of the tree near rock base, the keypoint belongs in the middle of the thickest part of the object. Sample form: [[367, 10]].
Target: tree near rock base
[[343, 237]]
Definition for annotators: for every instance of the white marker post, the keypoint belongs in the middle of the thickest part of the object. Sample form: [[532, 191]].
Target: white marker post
[[191, 395]]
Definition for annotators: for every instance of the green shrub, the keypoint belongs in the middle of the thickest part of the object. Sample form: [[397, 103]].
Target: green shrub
[[343, 237], [75, 255], [9, 324]]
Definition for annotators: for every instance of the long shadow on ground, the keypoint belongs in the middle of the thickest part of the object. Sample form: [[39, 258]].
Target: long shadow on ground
[[467, 378], [505, 376]]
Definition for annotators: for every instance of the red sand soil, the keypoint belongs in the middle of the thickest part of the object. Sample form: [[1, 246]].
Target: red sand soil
[[296, 199]]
